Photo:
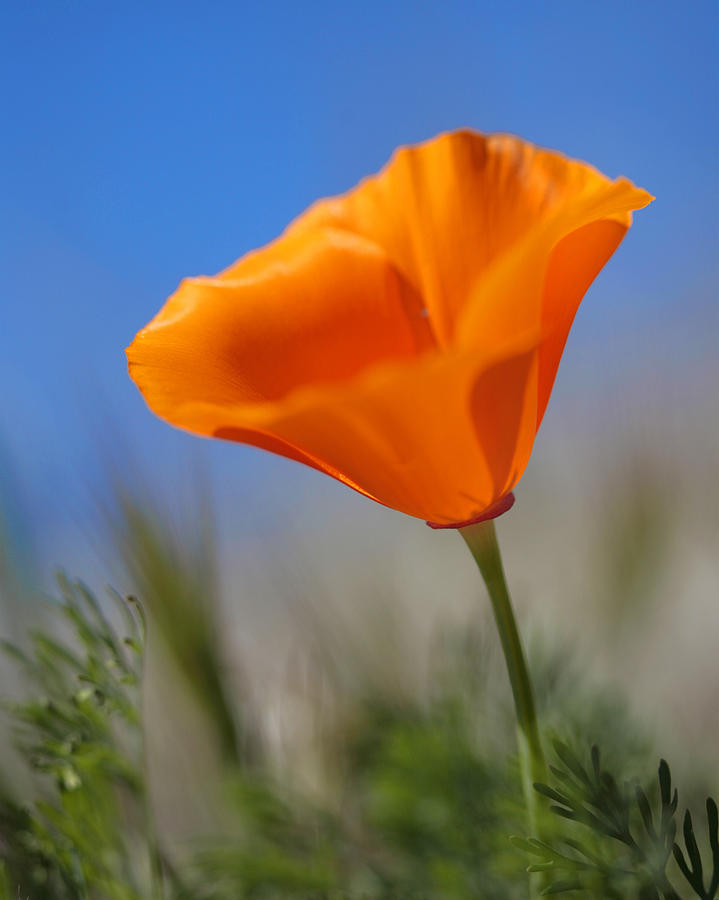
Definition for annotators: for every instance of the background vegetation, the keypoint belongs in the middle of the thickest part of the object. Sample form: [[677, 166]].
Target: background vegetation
[[148, 764]]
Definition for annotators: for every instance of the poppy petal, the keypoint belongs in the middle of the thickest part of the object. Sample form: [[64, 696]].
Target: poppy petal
[[448, 210], [539, 283], [573, 265], [440, 437], [316, 307]]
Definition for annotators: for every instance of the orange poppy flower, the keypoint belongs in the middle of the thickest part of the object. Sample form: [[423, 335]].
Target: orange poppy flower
[[403, 337]]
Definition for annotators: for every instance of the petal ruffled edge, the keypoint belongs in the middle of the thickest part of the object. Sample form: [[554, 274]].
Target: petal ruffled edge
[[316, 308]]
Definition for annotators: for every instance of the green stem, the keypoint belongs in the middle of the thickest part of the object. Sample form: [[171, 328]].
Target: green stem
[[481, 539]]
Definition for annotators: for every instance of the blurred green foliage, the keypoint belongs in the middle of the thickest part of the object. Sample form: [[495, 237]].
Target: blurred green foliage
[[84, 834], [421, 797]]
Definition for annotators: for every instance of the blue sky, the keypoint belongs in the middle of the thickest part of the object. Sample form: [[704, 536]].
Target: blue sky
[[142, 142]]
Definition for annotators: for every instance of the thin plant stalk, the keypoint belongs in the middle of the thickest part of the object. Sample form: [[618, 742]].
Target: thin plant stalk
[[481, 539]]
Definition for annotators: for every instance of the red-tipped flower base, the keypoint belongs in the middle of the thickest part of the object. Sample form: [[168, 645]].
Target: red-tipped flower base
[[496, 509]]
